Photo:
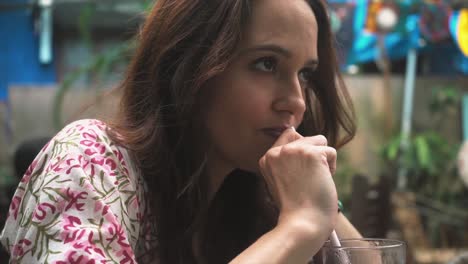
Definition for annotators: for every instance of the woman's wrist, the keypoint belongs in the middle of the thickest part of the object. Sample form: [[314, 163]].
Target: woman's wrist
[[302, 238], [291, 241], [305, 229]]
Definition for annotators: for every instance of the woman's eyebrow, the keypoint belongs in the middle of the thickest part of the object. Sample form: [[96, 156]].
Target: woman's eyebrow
[[276, 49], [268, 47], [312, 63]]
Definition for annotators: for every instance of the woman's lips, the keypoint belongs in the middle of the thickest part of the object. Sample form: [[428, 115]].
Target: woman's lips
[[274, 132]]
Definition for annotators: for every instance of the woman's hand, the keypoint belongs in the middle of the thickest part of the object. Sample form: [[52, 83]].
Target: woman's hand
[[298, 172]]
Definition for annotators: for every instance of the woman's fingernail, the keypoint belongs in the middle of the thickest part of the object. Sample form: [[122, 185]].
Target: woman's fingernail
[[293, 128]]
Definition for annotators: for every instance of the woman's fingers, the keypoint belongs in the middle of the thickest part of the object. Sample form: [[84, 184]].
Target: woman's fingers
[[298, 174], [329, 157], [315, 144], [324, 154], [289, 135], [291, 138], [318, 140]]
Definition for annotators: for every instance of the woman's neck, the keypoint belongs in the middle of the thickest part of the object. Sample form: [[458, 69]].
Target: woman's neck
[[217, 171]]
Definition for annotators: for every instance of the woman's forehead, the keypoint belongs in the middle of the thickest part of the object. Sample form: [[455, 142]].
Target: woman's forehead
[[273, 19]]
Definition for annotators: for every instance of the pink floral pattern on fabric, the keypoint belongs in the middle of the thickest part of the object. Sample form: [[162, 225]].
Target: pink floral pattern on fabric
[[80, 201]]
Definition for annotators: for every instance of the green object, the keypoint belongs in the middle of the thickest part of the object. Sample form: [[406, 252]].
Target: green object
[[340, 206]]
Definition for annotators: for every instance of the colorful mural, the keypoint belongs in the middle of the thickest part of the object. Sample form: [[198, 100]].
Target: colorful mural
[[401, 25]]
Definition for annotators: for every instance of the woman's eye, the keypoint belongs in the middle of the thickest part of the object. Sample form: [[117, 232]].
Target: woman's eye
[[306, 75], [267, 64]]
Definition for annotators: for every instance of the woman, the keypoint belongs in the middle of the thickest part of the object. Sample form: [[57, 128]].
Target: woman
[[203, 164]]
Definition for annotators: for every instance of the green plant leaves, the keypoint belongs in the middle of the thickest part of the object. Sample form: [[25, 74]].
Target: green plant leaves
[[392, 149], [422, 151], [84, 22]]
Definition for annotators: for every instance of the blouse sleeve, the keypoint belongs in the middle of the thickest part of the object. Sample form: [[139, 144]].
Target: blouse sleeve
[[76, 203]]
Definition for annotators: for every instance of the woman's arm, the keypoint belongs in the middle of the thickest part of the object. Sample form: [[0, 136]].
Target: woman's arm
[[344, 228], [295, 241], [298, 173]]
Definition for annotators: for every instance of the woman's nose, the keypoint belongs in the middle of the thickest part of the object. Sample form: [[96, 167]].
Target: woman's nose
[[291, 98]]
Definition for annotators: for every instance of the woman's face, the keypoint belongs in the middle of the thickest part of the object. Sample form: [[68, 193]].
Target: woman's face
[[262, 92]]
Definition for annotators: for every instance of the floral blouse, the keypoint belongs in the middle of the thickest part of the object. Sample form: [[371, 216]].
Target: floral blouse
[[80, 201]]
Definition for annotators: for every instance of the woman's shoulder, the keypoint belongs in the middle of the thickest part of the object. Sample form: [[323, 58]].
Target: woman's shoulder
[[84, 128], [90, 138], [88, 141]]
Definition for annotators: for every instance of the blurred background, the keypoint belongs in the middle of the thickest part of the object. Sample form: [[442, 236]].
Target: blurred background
[[404, 176]]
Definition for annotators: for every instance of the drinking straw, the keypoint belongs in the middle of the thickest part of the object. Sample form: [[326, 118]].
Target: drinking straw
[[334, 240], [340, 257]]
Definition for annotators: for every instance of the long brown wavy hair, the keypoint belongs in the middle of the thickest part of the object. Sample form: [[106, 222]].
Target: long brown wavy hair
[[182, 45]]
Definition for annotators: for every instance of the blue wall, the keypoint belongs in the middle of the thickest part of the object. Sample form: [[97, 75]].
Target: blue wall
[[19, 49]]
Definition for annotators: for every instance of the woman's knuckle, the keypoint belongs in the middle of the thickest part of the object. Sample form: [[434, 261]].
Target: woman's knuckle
[[322, 139], [271, 154], [310, 154], [262, 161], [288, 150]]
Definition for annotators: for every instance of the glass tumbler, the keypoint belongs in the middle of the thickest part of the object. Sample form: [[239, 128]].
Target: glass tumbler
[[363, 251]]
